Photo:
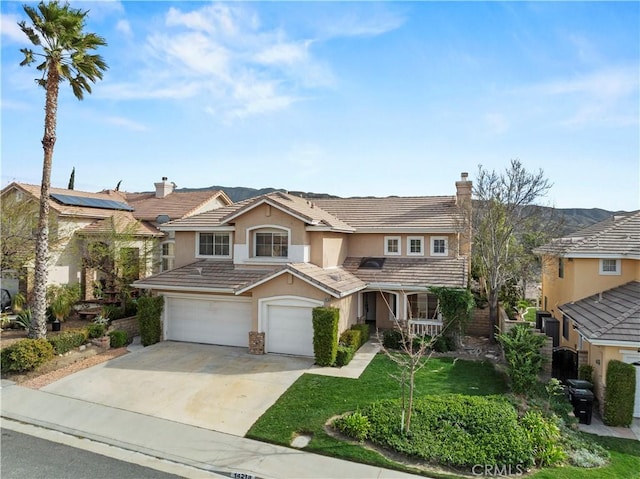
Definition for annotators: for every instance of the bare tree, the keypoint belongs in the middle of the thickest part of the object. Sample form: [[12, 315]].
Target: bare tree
[[504, 205]]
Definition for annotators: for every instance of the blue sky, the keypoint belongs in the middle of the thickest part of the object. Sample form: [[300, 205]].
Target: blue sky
[[343, 98]]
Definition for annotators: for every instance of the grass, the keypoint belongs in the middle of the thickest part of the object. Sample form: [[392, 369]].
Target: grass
[[530, 315], [625, 462], [307, 405]]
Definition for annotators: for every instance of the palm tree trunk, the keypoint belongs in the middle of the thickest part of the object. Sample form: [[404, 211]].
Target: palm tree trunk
[[38, 327]]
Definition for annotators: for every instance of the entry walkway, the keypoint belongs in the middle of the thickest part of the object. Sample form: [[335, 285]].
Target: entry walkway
[[599, 428], [190, 445], [356, 367]]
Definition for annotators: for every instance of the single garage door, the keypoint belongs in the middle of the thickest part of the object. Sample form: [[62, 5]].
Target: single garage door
[[289, 330], [213, 320]]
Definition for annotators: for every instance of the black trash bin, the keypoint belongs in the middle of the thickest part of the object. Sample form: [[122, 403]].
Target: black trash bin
[[574, 384], [582, 400]]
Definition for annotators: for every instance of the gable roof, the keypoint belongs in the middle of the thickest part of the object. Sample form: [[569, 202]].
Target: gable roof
[[177, 204], [617, 236], [120, 222], [417, 213], [610, 316]]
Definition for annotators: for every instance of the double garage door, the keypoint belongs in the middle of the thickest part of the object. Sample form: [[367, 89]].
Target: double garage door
[[287, 324]]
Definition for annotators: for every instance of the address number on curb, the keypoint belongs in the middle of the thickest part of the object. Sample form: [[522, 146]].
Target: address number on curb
[[242, 475]]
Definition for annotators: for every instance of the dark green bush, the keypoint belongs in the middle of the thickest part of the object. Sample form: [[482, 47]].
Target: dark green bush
[[392, 339], [354, 425], [26, 354], [351, 338], [344, 355], [522, 351], [149, 314], [453, 430], [112, 312], [325, 335], [68, 340], [119, 338], [130, 308], [96, 330], [443, 344], [586, 372], [364, 332], [620, 393]]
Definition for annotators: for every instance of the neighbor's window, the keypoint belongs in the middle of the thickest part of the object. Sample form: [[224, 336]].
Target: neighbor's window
[[272, 244], [439, 246], [565, 327], [560, 268], [214, 244], [392, 245], [610, 266], [415, 245], [168, 255]]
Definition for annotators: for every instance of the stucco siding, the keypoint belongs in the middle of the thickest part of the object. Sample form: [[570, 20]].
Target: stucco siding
[[185, 248], [373, 244]]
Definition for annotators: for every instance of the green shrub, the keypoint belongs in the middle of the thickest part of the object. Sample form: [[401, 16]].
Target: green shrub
[[453, 430], [149, 314], [545, 437], [585, 372], [392, 339], [67, 340], [351, 338], [24, 318], [118, 338], [344, 355], [26, 354], [325, 335], [130, 308], [96, 330], [364, 332], [522, 351], [444, 344], [354, 425], [113, 312], [620, 393]]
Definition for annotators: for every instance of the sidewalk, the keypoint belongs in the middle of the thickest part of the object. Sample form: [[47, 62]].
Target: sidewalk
[[201, 448], [599, 428]]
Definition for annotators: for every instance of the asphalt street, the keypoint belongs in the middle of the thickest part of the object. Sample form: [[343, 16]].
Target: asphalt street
[[28, 457]]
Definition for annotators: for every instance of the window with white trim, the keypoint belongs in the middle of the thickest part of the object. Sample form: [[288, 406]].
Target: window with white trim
[[439, 246], [610, 266], [392, 245], [214, 244], [167, 255], [271, 244], [415, 245]]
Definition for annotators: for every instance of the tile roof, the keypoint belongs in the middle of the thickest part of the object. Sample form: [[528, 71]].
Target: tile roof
[[619, 236], [122, 222], [336, 281], [416, 272], [175, 205], [67, 210], [205, 275], [613, 315]]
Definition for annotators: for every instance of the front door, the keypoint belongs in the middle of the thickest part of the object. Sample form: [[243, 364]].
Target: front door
[[369, 305]]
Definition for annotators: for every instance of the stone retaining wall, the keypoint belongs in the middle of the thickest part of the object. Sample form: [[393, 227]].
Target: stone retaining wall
[[130, 325]]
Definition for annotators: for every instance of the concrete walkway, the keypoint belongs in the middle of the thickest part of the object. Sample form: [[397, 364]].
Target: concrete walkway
[[355, 368], [599, 428]]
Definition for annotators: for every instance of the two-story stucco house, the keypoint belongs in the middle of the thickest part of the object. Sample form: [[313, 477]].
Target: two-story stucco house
[[591, 285], [79, 217], [249, 274]]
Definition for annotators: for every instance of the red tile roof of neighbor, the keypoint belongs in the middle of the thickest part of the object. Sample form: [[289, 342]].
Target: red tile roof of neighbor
[[121, 222], [175, 205]]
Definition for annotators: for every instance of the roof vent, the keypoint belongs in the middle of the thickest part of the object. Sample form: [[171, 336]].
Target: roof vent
[[161, 219], [372, 263]]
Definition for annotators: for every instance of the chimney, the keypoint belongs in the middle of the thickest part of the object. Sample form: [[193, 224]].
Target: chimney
[[463, 189], [163, 188]]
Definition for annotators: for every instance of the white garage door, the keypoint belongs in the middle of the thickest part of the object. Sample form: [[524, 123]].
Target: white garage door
[[212, 321], [636, 408], [289, 330]]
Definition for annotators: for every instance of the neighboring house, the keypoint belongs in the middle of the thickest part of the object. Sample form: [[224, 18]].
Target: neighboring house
[[80, 217], [250, 274], [591, 284]]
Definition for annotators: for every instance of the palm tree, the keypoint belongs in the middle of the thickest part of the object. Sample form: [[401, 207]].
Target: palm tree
[[57, 31]]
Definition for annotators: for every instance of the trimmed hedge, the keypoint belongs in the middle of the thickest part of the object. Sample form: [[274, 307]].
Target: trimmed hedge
[[586, 372], [364, 332], [119, 338], [26, 354], [344, 355], [325, 335], [619, 396], [149, 313], [351, 338], [68, 340]]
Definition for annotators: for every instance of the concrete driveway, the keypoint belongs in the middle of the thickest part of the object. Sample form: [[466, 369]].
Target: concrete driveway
[[214, 387]]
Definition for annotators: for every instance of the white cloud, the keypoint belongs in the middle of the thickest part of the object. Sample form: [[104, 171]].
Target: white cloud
[[10, 29], [126, 123], [123, 26], [363, 23]]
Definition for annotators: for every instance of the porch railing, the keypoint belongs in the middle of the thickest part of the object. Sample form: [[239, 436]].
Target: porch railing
[[425, 327]]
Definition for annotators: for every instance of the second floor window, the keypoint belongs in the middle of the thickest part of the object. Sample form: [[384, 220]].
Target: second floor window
[[272, 244], [610, 266], [439, 246], [214, 244], [168, 255], [392, 245]]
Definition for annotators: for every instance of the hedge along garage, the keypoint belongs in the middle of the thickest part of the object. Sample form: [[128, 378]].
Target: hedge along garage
[[208, 319], [288, 325]]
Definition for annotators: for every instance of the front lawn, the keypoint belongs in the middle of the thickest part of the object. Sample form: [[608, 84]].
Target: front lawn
[[307, 405]]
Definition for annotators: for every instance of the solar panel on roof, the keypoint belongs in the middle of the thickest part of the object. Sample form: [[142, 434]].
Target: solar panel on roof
[[72, 200]]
